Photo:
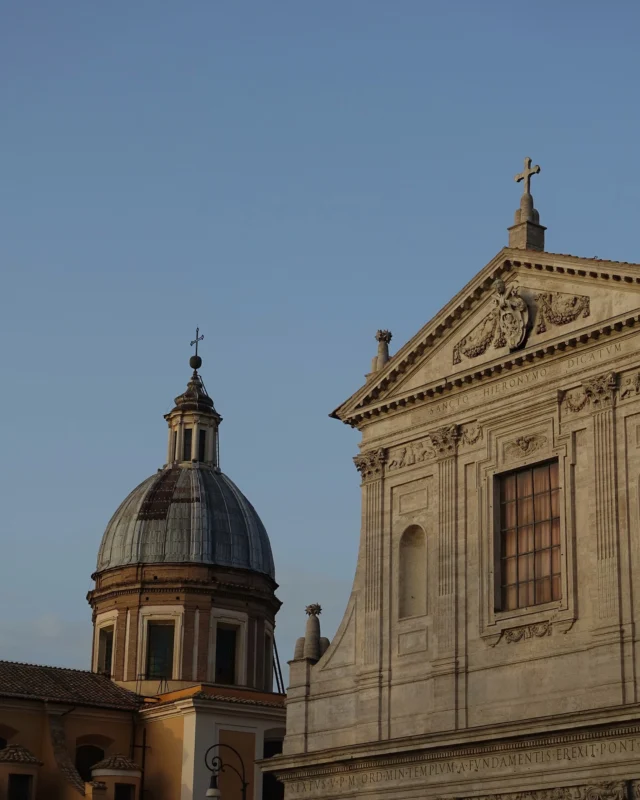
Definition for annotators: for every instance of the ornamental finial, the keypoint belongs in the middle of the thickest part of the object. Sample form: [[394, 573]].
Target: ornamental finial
[[314, 610]]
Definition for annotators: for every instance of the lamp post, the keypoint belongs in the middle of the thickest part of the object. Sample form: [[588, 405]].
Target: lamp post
[[216, 765]]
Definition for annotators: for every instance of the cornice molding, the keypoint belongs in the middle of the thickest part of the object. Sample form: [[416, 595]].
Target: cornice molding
[[466, 300], [575, 342], [352, 763]]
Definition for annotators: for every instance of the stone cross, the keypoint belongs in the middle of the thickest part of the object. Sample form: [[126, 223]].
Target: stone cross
[[526, 174], [200, 338]]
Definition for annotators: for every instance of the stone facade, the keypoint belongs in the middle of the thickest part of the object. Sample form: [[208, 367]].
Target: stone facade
[[432, 685]]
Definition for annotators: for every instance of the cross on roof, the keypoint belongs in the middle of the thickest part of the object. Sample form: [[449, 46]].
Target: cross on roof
[[526, 174], [197, 339]]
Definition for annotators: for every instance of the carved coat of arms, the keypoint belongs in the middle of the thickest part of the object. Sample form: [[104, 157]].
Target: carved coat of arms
[[513, 315]]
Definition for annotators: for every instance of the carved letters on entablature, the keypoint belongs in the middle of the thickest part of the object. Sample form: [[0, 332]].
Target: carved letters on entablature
[[507, 324], [370, 465]]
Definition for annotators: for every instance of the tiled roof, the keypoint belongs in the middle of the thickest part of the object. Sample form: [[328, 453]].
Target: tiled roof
[[247, 701], [80, 687], [117, 762], [17, 754]]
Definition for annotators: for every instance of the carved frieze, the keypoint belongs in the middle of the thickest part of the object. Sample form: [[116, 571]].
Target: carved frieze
[[596, 791], [524, 446], [558, 308], [601, 390], [410, 454], [630, 385], [370, 465], [535, 630]]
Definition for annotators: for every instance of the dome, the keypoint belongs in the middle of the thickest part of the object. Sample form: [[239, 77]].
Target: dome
[[190, 513]]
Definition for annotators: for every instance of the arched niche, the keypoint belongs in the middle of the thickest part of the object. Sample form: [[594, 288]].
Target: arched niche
[[412, 575]]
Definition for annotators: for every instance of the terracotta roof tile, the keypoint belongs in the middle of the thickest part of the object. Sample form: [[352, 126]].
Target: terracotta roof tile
[[17, 754], [35, 682], [117, 762]]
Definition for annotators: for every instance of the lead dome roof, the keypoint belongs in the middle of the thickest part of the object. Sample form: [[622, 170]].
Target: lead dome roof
[[187, 514]]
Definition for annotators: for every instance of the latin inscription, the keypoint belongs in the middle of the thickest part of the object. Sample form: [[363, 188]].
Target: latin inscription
[[525, 379], [548, 757], [594, 357], [512, 383]]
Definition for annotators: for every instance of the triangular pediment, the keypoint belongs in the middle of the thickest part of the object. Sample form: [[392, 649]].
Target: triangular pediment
[[520, 303]]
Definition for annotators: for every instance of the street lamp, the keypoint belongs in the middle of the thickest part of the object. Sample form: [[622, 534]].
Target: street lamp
[[216, 765]]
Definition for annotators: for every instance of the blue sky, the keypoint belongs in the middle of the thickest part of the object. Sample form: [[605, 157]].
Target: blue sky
[[289, 176]]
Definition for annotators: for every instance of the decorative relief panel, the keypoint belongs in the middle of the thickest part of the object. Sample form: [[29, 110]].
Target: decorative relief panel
[[558, 308], [574, 400], [410, 454], [524, 446], [470, 434], [535, 630], [630, 385], [442, 443]]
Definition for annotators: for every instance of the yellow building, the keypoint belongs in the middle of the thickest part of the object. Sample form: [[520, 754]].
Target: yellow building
[[183, 650]]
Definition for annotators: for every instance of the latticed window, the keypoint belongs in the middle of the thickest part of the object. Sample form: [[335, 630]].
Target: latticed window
[[530, 536]]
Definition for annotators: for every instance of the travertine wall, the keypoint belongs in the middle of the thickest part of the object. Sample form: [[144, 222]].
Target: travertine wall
[[455, 408]]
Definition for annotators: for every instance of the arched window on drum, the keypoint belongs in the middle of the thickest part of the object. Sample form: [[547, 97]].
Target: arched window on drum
[[412, 578]]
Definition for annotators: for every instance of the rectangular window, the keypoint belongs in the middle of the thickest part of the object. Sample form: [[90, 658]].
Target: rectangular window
[[174, 454], [226, 643], [160, 637], [202, 445], [125, 791], [186, 444], [105, 650], [19, 787], [530, 536]]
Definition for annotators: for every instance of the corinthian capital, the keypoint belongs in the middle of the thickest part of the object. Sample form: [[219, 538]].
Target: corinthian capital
[[370, 465], [445, 440], [601, 390]]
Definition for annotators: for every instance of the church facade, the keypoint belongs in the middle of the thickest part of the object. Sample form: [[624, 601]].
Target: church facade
[[489, 648]]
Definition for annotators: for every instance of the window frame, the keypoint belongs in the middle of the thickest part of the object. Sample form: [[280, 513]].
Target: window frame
[[236, 619], [493, 622], [107, 619], [152, 614], [499, 532]]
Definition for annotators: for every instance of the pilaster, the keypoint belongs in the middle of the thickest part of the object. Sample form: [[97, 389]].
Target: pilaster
[[601, 394]]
